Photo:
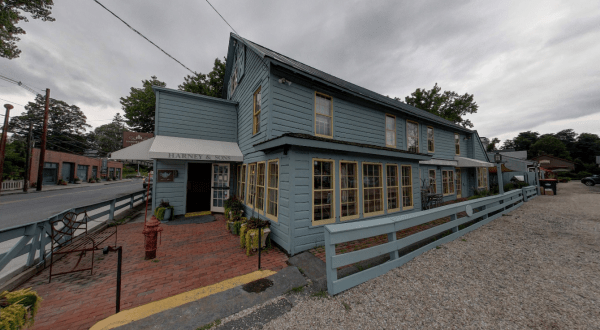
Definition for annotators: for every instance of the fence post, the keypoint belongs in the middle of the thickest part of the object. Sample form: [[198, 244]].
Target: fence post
[[131, 201], [452, 218], [34, 245], [329, 252], [111, 213], [524, 194]]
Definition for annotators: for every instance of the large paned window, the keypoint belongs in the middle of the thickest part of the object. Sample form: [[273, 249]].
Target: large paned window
[[432, 181], [251, 184], [412, 136], [482, 177], [323, 115], [393, 188], [372, 189], [430, 140], [323, 192], [242, 183], [457, 143], [390, 131], [407, 195], [260, 186], [273, 189], [257, 108], [349, 190], [448, 182]]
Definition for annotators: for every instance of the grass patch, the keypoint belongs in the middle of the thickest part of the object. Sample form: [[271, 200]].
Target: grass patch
[[320, 294], [438, 247], [297, 289], [210, 325], [301, 271], [464, 240], [155, 260], [347, 307]]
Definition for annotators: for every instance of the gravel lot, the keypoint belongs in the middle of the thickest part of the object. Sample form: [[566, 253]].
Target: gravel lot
[[538, 267]]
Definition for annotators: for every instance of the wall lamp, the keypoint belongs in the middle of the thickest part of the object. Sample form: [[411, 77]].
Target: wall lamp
[[285, 81]]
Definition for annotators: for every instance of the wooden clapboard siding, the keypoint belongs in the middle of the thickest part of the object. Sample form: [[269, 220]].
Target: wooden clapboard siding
[[174, 191]]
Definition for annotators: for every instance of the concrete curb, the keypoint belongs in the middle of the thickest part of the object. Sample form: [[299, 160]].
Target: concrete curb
[[71, 186]]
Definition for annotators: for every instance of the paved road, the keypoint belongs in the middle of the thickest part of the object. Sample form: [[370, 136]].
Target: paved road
[[25, 208]]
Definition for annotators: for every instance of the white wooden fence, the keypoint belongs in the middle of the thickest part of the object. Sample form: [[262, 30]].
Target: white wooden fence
[[12, 185]]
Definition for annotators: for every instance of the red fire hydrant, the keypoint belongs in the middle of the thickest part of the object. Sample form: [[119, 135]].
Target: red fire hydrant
[[151, 231]]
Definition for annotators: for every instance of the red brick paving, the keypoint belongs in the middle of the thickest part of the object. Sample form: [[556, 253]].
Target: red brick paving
[[190, 256]]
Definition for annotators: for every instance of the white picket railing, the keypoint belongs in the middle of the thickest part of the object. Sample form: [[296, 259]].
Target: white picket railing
[[12, 185]]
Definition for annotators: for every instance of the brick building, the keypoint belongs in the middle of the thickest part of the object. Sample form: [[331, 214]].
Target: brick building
[[62, 165], [554, 164]]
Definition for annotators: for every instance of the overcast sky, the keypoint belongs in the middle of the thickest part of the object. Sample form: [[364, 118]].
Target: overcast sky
[[532, 65]]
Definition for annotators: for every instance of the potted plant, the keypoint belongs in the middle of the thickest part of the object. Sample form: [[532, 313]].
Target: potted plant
[[62, 182], [77, 181], [108, 179], [250, 233], [98, 179], [164, 211], [18, 308]]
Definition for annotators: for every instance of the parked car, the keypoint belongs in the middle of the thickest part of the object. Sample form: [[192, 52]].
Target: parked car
[[591, 180], [148, 179]]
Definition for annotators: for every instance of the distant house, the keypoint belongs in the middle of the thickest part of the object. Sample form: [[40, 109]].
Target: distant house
[[513, 163], [554, 164]]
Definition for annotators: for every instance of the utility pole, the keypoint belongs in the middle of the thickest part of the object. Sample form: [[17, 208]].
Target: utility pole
[[3, 142], [40, 177], [28, 159]]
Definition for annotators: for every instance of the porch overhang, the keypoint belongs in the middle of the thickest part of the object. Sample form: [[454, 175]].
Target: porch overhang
[[470, 162], [439, 162], [137, 153], [170, 147], [309, 141]]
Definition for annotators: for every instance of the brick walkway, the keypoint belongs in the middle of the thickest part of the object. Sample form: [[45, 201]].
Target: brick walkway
[[190, 256]]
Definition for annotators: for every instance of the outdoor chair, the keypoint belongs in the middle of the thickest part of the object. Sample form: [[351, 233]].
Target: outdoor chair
[[65, 240]]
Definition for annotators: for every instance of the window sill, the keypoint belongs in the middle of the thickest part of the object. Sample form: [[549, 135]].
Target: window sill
[[272, 217], [390, 146], [324, 136], [351, 217], [366, 215], [407, 208], [322, 222], [393, 210]]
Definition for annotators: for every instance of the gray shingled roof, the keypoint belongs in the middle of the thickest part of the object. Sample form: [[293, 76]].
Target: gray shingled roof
[[347, 85]]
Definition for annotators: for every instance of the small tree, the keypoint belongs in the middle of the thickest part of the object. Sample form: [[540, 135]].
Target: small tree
[[549, 145], [140, 106], [210, 85], [11, 13], [492, 145]]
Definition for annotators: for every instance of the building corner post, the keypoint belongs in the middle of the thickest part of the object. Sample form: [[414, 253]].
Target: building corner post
[[500, 183]]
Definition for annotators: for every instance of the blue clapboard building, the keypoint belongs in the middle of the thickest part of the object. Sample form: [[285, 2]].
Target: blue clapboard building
[[303, 148]]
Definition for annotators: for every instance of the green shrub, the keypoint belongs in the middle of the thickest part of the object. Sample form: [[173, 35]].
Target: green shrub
[[20, 312]]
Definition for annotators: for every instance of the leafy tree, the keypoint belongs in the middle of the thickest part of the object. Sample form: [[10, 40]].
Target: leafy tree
[[14, 159], [568, 137], [524, 140], [508, 144], [549, 145], [492, 145], [66, 124], [587, 147], [109, 137], [140, 105], [448, 105], [11, 12], [210, 85]]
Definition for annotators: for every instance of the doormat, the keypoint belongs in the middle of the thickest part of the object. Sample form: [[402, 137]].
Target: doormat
[[192, 220], [195, 214]]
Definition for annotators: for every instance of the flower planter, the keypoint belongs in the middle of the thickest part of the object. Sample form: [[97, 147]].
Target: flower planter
[[252, 239], [168, 214]]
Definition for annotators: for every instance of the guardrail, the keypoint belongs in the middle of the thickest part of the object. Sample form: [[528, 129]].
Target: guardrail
[[12, 185], [482, 210], [34, 237]]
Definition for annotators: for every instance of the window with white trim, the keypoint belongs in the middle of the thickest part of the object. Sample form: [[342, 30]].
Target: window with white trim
[[323, 192], [393, 188], [390, 131], [349, 190], [372, 189], [407, 194], [323, 115], [273, 189], [260, 186], [412, 136]]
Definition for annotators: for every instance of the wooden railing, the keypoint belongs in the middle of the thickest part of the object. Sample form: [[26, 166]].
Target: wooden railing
[[33, 238], [464, 217], [12, 185]]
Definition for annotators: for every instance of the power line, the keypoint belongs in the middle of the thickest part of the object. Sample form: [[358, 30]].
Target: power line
[[29, 89], [12, 102], [136, 31], [222, 17]]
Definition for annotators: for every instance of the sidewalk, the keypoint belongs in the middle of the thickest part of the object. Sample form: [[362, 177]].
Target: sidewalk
[[53, 187]]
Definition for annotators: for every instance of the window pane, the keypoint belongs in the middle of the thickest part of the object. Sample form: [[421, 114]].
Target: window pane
[[412, 136], [390, 123]]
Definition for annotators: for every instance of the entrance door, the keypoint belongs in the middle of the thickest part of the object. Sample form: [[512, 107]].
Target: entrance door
[[458, 177], [50, 172], [82, 172], [220, 186], [67, 171], [198, 188]]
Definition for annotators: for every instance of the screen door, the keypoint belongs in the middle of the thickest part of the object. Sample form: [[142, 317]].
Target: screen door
[[219, 186]]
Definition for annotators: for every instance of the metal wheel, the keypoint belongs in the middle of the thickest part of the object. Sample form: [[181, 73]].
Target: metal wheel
[[589, 183]]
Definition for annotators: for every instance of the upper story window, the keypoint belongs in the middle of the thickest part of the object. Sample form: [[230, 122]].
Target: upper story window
[[349, 190], [412, 136], [372, 189], [390, 131], [323, 192], [323, 115], [430, 140], [234, 82], [257, 108], [457, 143]]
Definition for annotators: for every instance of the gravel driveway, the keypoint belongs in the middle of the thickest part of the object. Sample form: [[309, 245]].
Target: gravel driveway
[[538, 267]]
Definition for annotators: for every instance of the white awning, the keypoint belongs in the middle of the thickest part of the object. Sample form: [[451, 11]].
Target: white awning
[[470, 162], [439, 162], [136, 152], [169, 147]]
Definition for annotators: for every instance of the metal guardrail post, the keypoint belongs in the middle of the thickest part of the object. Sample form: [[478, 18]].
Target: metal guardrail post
[[131, 201], [111, 213]]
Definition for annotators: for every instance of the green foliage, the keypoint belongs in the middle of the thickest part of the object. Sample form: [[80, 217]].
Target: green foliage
[[492, 145], [479, 193], [251, 239], [584, 174], [11, 13], [524, 140], [587, 147], [448, 105], [159, 212], [210, 85], [243, 236], [109, 137], [321, 294], [210, 325], [297, 289], [254, 223], [14, 160], [22, 307], [549, 145], [140, 106]]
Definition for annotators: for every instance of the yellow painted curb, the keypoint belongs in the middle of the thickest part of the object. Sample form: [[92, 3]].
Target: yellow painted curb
[[195, 214], [140, 312]]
